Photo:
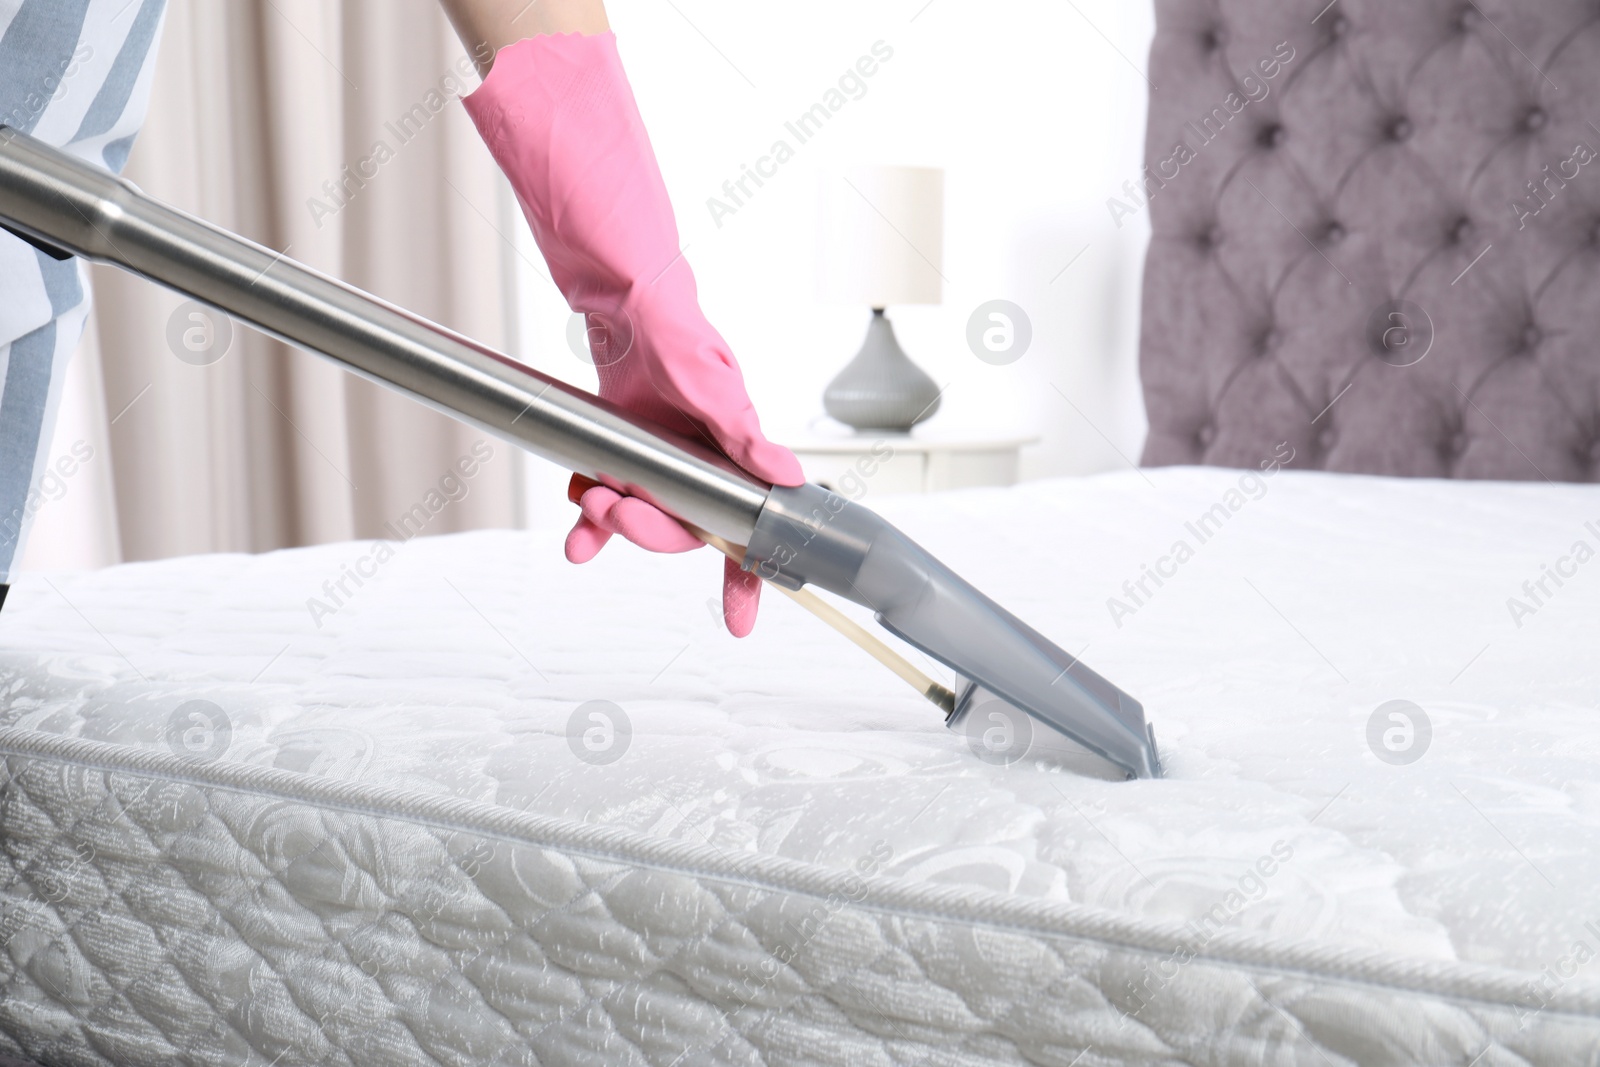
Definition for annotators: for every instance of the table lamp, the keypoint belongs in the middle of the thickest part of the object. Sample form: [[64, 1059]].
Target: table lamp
[[881, 243]]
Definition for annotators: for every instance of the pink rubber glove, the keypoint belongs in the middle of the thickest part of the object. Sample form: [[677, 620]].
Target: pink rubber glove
[[560, 118]]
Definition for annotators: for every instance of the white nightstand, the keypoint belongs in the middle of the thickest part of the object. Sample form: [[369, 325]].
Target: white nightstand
[[921, 462]]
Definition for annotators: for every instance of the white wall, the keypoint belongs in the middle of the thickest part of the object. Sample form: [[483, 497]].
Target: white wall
[[1036, 110]]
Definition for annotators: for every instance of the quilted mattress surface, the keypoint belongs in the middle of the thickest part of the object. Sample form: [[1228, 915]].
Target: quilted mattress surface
[[485, 807]]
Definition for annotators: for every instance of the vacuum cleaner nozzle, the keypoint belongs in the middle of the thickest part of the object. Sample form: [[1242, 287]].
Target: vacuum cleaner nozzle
[[808, 534]]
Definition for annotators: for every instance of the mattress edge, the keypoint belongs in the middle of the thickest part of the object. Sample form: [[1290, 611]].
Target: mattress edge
[[1451, 979]]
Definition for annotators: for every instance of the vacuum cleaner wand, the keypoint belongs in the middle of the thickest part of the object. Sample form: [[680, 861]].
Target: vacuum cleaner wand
[[792, 536]]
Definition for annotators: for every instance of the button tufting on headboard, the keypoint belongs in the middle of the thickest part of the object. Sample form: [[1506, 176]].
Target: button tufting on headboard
[[1387, 255]]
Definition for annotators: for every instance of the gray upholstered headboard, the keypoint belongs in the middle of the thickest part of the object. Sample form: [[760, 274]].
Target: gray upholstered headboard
[[1383, 249]]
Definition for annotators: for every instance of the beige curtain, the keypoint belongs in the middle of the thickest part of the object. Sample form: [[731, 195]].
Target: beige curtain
[[259, 108]]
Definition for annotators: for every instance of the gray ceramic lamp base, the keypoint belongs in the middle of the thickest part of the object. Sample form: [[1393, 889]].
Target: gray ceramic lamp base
[[881, 389]]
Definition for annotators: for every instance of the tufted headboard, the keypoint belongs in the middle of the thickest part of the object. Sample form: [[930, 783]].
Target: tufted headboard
[[1376, 236]]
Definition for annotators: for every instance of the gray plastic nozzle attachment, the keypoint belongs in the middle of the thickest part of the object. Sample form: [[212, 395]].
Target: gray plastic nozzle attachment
[[808, 535]]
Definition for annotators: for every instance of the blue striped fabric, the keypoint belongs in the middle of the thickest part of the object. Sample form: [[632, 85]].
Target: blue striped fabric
[[75, 73]]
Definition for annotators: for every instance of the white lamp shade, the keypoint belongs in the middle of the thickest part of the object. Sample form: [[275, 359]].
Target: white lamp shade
[[881, 236]]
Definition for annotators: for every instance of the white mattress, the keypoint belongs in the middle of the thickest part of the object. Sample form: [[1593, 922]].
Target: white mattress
[[394, 855]]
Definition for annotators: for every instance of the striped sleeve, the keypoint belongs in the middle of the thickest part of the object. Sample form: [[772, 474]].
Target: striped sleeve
[[76, 74]]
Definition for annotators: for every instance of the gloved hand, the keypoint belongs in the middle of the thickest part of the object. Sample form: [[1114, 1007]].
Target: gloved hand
[[560, 118]]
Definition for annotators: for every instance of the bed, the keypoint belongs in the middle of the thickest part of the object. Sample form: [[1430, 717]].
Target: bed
[[452, 801], [466, 819]]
